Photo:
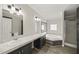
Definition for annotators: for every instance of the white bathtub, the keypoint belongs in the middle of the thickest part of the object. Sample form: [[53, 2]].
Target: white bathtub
[[52, 37]]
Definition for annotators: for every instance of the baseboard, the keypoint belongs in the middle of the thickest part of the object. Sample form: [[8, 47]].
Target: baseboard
[[70, 45]]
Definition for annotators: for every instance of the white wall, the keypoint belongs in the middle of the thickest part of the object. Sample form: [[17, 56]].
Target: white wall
[[0, 23], [57, 20], [28, 20]]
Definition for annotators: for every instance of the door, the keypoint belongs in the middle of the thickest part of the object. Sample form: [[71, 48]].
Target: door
[[71, 32], [6, 29]]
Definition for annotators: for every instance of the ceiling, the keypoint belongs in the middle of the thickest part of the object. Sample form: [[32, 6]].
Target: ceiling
[[49, 11]]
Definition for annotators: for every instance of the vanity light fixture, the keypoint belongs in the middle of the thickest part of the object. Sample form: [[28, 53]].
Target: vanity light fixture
[[37, 19], [12, 10]]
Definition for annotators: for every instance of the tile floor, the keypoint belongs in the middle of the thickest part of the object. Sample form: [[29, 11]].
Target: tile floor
[[58, 49]]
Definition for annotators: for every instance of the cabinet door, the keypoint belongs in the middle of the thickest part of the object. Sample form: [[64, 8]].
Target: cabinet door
[[27, 49], [17, 51], [44, 41], [37, 43], [41, 41]]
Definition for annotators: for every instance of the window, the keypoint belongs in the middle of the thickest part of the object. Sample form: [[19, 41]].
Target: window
[[42, 27], [53, 27]]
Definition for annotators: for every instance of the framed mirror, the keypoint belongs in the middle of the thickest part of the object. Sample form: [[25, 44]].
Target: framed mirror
[[16, 22], [43, 27]]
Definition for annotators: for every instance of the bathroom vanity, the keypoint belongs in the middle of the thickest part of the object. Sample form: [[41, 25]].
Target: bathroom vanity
[[22, 45], [13, 39], [26, 49]]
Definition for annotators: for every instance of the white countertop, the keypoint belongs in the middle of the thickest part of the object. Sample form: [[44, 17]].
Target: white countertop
[[15, 44]]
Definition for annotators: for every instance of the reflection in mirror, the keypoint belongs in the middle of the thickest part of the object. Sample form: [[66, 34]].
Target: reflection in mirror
[[17, 24], [12, 25], [43, 26]]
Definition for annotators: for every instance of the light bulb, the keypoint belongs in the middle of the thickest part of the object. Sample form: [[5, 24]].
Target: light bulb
[[35, 18], [20, 12], [12, 10]]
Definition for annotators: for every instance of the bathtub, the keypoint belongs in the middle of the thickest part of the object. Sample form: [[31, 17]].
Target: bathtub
[[52, 37]]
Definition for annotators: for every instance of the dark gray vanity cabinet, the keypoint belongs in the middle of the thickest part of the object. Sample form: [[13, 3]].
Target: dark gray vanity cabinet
[[40, 42], [37, 43], [26, 49], [17, 51], [43, 40]]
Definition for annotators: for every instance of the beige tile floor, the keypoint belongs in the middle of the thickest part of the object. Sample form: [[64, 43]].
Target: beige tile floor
[[58, 49]]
